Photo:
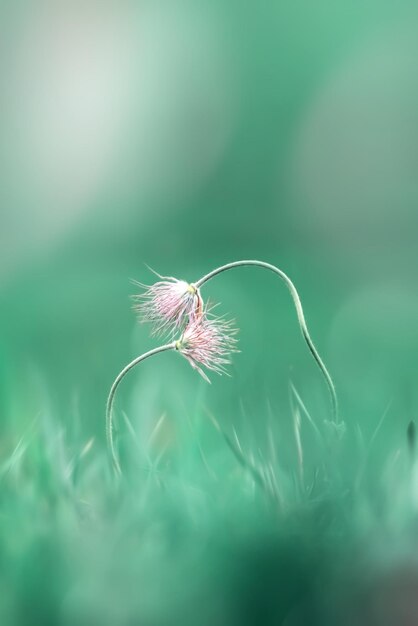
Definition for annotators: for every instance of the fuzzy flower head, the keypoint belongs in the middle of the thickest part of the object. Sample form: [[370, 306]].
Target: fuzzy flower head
[[208, 342], [169, 304]]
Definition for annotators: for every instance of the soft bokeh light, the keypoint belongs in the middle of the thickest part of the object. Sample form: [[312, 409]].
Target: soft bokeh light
[[105, 110], [355, 158]]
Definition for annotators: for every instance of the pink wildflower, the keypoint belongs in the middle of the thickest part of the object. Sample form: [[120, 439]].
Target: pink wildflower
[[169, 304], [208, 342]]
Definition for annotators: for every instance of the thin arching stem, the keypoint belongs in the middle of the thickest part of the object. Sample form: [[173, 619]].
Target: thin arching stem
[[111, 398], [299, 312]]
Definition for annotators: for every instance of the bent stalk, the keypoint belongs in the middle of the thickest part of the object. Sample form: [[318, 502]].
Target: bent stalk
[[299, 312], [111, 397]]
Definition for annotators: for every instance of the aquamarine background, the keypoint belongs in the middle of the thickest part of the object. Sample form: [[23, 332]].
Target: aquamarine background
[[184, 135]]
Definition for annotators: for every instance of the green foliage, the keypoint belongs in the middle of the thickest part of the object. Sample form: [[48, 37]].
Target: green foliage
[[224, 525]]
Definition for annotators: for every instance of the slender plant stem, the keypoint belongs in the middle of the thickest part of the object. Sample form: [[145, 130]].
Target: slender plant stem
[[111, 397], [299, 312]]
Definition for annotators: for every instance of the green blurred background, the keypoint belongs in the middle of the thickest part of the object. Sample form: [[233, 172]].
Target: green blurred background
[[183, 135]]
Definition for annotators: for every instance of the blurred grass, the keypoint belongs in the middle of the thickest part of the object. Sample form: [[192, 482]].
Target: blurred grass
[[188, 536]]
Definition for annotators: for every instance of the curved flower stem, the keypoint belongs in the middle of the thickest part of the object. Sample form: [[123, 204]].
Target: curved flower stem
[[299, 312], [111, 397]]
